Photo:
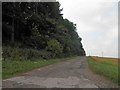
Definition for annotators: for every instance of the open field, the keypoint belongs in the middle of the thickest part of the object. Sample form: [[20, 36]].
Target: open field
[[104, 59], [13, 68], [107, 67]]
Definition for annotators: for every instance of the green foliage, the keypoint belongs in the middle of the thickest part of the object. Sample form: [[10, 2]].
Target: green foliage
[[39, 26], [55, 47], [35, 31], [10, 53]]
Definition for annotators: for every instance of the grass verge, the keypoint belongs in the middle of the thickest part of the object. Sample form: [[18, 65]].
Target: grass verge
[[105, 68], [13, 68]]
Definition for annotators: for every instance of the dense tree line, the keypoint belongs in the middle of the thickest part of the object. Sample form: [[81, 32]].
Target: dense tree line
[[40, 26]]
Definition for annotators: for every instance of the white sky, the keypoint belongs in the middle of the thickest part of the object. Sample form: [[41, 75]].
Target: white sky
[[97, 24]]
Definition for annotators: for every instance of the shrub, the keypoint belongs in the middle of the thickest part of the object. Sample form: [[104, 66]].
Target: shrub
[[55, 47], [10, 53]]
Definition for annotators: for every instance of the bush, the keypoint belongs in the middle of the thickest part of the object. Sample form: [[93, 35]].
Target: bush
[[55, 47], [10, 53]]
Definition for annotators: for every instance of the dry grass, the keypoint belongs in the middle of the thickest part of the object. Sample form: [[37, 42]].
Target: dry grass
[[106, 59]]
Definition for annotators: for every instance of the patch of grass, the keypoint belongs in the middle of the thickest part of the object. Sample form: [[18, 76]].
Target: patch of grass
[[13, 68], [105, 68]]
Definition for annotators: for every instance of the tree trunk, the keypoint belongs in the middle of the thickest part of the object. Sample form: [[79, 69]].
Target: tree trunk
[[12, 35], [36, 7]]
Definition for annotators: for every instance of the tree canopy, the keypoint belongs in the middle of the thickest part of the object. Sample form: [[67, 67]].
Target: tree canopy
[[41, 26]]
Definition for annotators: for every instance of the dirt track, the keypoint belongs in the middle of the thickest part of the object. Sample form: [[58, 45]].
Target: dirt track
[[68, 74]]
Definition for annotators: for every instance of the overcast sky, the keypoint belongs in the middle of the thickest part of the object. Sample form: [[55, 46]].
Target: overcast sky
[[97, 24]]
